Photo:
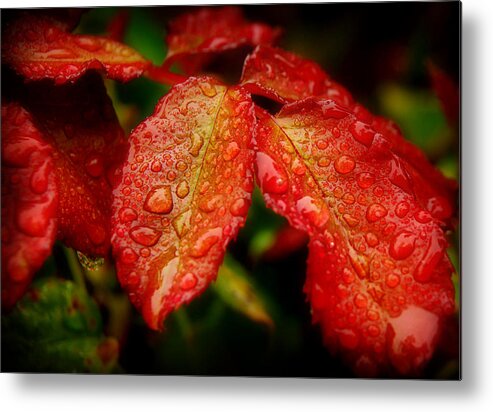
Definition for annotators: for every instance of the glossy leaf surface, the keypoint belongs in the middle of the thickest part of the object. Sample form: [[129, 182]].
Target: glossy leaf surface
[[194, 36], [285, 77], [79, 122], [56, 327], [185, 191], [38, 47], [378, 277], [29, 201]]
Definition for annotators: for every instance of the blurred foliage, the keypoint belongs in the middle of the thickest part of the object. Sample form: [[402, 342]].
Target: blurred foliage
[[255, 320]]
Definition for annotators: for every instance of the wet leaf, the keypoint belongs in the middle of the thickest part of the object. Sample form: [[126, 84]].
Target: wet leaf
[[39, 47], [285, 77], [184, 193], [29, 201], [238, 290], [193, 37], [378, 277], [56, 327], [88, 144]]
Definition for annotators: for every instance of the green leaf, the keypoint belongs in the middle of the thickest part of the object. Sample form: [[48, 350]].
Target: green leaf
[[56, 327], [238, 291]]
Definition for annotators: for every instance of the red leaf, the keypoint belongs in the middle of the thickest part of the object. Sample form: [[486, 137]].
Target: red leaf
[[288, 240], [285, 77], [378, 276], [446, 91], [88, 143], [29, 199], [185, 192], [38, 47], [194, 36]]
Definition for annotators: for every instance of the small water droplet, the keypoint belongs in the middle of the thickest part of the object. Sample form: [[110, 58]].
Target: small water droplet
[[371, 239], [205, 242], [344, 164], [197, 141], [231, 151], [128, 256], [323, 162], [159, 200], [188, 281], [144, 235], [350, 220], [127, 214], [240, 207], [156, 166], [365, 180], [401, 209], [209, 204], [298, 167], [272, 177], [39, 179], [208, 89], [392, 280], [422, 216], [182, 189], [375, 212], [373, 330], [360, 300], [94, 165]]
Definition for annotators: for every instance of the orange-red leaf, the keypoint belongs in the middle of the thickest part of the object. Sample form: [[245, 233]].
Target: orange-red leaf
[[194, 36], [29, 201], [185, 192], [38, 47], [378, 276], [286, 77], [88, 143]]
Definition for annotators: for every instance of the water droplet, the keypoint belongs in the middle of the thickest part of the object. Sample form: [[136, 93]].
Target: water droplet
[[156, 166], [240, 207], [197, 142], [360, 300], [188, 281], [159, 200], [128, 256], [298, 167], [181, 166], [88, 43], [210, 204], [139, 158], [344, 164], [181, 223], [362, 133], [208, 89], [372, 315], [272, 177], [375, 212], [90, 263], [182, 189], [144, 235], [365, 180], [431, 258], [423, 216], [127, 214], [31, 219], [439, 207], [399, 176], [371, 239], [348, 198], [392, 280], [231, 151], [350, 220], [309, 209], [94, 165], [39, 179], [205, 242], [402, 209], [373, 330], [323, 162]]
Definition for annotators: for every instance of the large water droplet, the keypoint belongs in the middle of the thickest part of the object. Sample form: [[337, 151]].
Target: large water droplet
[[362, 133], [128, 256], [156, 166], [392, 280], [309, 209], [144, 235], [298, 167], [401, 209], [431, 258], [159, 200], [344, 164], [365, 180], [402, 245], [209, 204], [208, 89], [360, 300], [272, 177], [127, 214], [181, 223], [375, 212], [88, 43]]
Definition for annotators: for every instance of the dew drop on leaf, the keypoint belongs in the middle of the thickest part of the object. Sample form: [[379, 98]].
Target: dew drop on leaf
[[145, 236], [159, 200], [272, 177], [344, 164]]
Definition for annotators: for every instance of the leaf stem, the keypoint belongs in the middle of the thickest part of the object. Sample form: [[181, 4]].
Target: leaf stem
[[164, 76], [75, 267]]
